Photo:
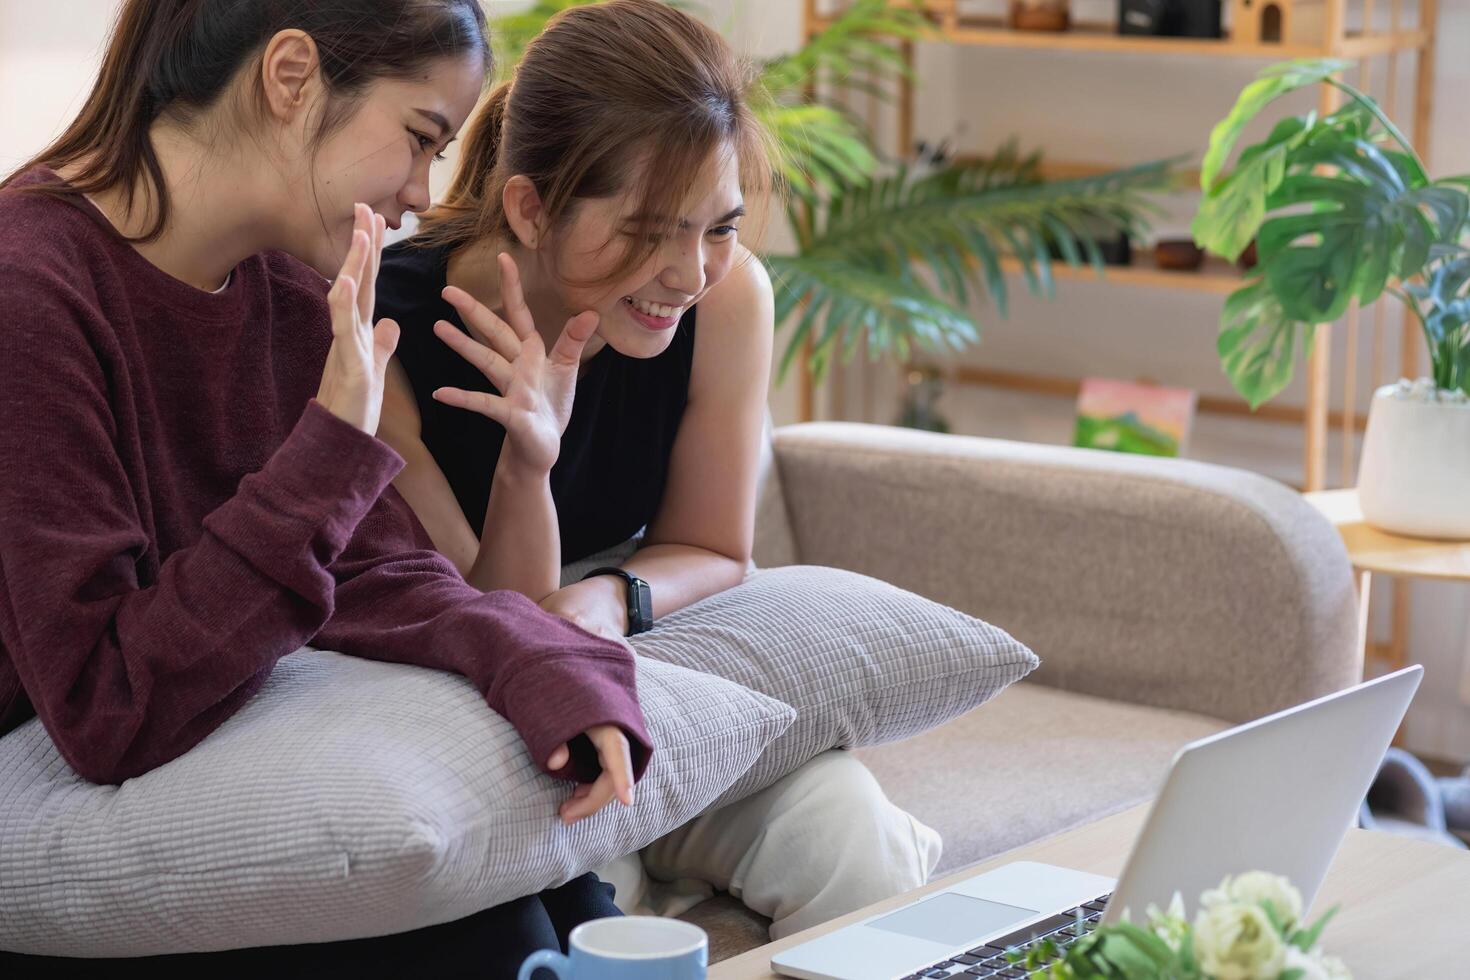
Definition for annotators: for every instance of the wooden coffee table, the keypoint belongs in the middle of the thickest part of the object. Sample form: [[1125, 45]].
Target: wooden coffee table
[[1404, 911]]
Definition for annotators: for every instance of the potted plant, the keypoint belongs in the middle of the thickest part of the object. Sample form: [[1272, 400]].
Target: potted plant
[[1343, 210], [894, 250]]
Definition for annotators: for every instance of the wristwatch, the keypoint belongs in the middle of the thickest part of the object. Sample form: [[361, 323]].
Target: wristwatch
[[640, 598]]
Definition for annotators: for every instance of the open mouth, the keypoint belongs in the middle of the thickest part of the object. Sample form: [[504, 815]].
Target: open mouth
[[654, 316]]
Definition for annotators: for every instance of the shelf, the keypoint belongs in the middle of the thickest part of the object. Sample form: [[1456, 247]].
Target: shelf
[[993, 33], [1186, 179], [1216, 276], [964, 374]]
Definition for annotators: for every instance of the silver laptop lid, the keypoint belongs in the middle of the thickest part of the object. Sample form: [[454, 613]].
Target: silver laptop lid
[[1277, 795]]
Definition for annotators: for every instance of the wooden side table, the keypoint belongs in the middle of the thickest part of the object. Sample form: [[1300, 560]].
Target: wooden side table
[[1375, 552]]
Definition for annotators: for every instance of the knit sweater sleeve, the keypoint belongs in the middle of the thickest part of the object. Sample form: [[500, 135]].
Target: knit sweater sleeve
[[399, 600], [124, 674]]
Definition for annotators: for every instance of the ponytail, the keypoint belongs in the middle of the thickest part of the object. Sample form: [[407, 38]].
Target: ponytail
[[468, 212], [666, 95]]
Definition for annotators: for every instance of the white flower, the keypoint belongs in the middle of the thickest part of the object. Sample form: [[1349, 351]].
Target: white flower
[[1258, 888], [1233, 941], [1315, 966], [1170, 926]]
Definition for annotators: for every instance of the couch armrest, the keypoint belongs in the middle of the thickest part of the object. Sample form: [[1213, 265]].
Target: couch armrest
[[1162, 582]]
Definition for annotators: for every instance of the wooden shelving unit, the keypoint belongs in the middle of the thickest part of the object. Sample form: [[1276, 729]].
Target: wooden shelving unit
[[956, 23], [1216, 276]]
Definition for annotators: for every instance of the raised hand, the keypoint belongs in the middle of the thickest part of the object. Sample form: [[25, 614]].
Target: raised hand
[[352, 381], [536, 387]]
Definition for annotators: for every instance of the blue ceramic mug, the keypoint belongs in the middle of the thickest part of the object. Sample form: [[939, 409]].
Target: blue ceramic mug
[[632, 947]]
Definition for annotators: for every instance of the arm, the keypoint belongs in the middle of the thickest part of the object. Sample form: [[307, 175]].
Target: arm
[[421, 482], [521, 543], [520, 546], [402, 602], [700, 540], [125, 673]]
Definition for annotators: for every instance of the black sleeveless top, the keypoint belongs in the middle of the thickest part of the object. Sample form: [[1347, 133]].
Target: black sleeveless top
[[609, 479]]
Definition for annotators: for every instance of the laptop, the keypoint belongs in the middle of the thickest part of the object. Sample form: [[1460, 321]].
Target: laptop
[[1278, 795]]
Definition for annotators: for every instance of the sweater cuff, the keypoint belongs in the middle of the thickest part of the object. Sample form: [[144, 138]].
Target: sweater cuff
[[556, 700], [328, 467]]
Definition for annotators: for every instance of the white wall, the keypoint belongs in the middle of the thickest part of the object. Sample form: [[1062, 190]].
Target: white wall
[[1095, 107]]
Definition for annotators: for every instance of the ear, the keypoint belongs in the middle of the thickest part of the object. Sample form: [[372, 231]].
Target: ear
[[289, 71], [523, 211]]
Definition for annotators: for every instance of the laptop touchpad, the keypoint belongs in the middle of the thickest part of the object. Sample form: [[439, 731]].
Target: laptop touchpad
[[951, 919]]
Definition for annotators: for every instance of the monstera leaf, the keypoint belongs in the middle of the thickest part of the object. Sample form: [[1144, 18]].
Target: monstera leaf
[[1341, 210]]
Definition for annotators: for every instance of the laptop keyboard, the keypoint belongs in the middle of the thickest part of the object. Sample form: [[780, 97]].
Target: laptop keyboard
[[994, 959]]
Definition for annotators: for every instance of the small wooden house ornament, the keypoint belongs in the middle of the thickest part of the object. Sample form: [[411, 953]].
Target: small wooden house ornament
[[1277, 21]]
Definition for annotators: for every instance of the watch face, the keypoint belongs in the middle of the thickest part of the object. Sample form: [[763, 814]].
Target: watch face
[[640, 597]]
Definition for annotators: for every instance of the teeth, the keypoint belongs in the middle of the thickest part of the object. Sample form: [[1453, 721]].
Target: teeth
[[652, 309]]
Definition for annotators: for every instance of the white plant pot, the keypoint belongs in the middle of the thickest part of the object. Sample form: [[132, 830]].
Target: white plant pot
[[1414, 477]]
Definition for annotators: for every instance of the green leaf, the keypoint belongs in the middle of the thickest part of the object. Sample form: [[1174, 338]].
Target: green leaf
[[1231, 211], [1270, 85], [849, 46], [939, 236], [1257, 343], [1362, 227], [893, 312], [1307, 938]]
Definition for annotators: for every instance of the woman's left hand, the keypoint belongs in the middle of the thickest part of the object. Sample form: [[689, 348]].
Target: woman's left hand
[[595, 604]]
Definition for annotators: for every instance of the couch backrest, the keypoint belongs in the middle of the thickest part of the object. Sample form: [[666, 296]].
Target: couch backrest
[[775, 545]]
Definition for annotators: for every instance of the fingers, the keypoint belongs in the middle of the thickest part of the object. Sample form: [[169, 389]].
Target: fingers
[[385, 342], [368, 293], [559, 757], [615, 756], [491, 364], [579, 807], [343, 295], [491, 406], [573, 339], [482, 321], [515, 298]]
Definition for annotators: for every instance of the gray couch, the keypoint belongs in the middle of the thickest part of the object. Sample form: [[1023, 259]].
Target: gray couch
[[1166, 598]]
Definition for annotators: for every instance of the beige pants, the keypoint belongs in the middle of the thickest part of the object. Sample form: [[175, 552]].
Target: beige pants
[[820, 843]]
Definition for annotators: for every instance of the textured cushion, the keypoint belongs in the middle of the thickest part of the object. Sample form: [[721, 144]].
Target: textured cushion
[[862, 662], [348, 798]]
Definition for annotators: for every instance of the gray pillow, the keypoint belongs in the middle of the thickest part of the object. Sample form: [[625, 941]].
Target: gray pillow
[[348, 798], [861, 661]]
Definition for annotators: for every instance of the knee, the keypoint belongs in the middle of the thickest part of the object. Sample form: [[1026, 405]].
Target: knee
[[849, 818]]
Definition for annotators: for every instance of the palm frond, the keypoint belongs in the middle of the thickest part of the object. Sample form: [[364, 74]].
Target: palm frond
[[820, 150], [945, 237], [840, 302], [852, 45]]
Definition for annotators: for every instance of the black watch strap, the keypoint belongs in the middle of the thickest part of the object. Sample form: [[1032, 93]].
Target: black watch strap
[[640, 597]]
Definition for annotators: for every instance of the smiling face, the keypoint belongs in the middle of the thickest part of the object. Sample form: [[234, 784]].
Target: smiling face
[[638, 311], [380, 156]]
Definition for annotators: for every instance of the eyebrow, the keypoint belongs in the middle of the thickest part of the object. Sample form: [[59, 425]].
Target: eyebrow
[[444, 128], [639, 219]]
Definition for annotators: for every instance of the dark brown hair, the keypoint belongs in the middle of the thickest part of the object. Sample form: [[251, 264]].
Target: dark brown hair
[[177, 58], [602, 89]]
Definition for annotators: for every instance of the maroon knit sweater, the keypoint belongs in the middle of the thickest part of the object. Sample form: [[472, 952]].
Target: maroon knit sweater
[[177, 514]]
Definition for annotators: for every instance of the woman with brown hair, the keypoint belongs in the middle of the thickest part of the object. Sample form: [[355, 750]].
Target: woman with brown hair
[[557, 404], [190, 485]]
